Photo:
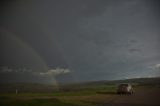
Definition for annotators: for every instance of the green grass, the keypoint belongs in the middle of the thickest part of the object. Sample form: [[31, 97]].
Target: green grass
[[82, 91], [55, 98], [38, 101], [34, 102], [61, 98]]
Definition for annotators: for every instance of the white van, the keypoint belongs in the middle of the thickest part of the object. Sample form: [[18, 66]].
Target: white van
[[124, 89]]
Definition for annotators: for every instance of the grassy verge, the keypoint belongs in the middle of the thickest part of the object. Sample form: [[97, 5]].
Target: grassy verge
[[55, 98]]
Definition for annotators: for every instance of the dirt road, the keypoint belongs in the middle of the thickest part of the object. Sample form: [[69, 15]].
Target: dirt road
[[141, 97]]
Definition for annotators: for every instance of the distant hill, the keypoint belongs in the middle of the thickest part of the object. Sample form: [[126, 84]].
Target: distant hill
[[140, 81]]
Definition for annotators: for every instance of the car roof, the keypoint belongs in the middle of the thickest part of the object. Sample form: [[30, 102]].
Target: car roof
[[125, 84]]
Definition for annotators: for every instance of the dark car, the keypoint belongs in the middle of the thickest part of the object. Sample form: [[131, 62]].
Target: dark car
[[125, 89]]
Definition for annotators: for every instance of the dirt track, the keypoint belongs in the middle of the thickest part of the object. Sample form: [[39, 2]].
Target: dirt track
[[141, 97]]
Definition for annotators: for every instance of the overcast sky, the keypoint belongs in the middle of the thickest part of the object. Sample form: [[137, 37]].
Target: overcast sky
[[79, 40]]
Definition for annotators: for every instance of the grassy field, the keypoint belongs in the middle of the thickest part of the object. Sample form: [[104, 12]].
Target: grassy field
[[58, 98], [94, 96], [80, 95]]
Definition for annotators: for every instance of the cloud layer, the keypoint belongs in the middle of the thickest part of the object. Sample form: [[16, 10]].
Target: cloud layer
[[6, 69], [97, 40], [157, 66], [55, 72], [51, 72]]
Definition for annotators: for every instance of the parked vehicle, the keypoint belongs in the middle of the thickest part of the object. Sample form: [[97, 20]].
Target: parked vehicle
[[125, 89]]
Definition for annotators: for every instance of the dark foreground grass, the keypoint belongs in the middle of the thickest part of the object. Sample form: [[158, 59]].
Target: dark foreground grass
[[49, 101], [33, 102], [53, 99], [81, 92]]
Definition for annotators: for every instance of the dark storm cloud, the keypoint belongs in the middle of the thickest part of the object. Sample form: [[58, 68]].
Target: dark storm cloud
[[95, 39]]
